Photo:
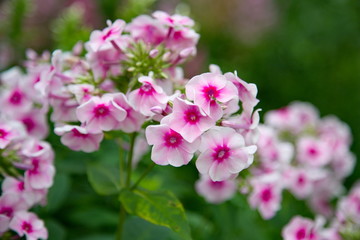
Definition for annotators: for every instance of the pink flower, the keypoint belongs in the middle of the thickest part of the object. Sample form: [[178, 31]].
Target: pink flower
[[24, 190], [28, 224], [133, 120], [77, 138], [175, 20], [147, 29], [266, 194], [82, 92], [15, 101], [223, 153], [295, 118], [10, 131], [35, 122], [41, 174], [64, 110], [313, 152], [208, 91], [188, 120], [247, 92], [300, 228], [100, 114], [147, 96], [215, 192], [102, 39], [11, 203], [300, 181], [169, 146]]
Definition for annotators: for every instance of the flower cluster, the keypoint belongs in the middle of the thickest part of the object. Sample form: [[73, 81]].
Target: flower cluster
[[302, 153], [344, 225], [26, 160], [130, 79]]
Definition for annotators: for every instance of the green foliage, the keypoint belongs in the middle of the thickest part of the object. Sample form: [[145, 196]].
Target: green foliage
[[105, 180], [161, 208], [58, 193], [134, 8], [69, 29]]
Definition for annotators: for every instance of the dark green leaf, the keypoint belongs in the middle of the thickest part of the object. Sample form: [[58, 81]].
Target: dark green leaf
[[161, 208], [56, 230], [58, 192], [105, 180]]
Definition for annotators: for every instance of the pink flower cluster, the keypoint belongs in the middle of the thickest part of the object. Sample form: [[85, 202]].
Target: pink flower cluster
[[127, 77], [26, 159], [344, 225], [130, 77], [302, 153]]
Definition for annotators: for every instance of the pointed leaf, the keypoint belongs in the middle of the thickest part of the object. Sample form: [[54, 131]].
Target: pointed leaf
[[161, 208], [105, 180]]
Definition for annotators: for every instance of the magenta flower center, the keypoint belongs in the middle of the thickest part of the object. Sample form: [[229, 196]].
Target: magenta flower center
[[107, 35], [29, 124], [21, 186], [313, 151], [266, 195], [76, 133], [7, 211], [210, 93], [35, 166], [192, 115], [300, 234], [221, 153], [172, 139], [217, 185], [301, 179], [16, 97], [27, 227], [101, 110], [3, 133], [146, 89]]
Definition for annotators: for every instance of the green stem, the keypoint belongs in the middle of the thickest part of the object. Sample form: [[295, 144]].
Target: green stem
[[143, 176], [122, 216], [129, 160], [121, 162]]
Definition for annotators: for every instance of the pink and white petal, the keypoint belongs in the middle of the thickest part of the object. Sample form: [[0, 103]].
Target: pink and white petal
[[204, 162], [219, 171], [159, 155]]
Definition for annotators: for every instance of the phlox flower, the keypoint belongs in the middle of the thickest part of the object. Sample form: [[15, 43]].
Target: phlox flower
[[175, 20], [10, 131], [223, 153], [11, 203], [82, 92], [15, 101], [147, 96], [215, 192], [300, 181], [35, 123], [294, 118], [300, 228], [188, 120], [169, 146], [349, 206], [20, 188], [208, 90], [133, 120], [77, 138], [100, 114], [101, 39], [28, 224], [266, 194], [147, 29], [246, 91], [313, 152]]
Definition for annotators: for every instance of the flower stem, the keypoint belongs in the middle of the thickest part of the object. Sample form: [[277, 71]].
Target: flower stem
[[122, 216], [129, 160], [143, 176]]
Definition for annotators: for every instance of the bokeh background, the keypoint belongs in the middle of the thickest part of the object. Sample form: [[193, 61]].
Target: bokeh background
[[292, 50]]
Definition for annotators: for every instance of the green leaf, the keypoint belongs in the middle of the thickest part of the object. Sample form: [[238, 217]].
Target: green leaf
[[161, 208], [94, 217], [148, 231], [56, 230], [134, 8], [105, 180], [58, 192]]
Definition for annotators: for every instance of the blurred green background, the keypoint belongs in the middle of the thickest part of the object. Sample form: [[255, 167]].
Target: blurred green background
[[293, 50]]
